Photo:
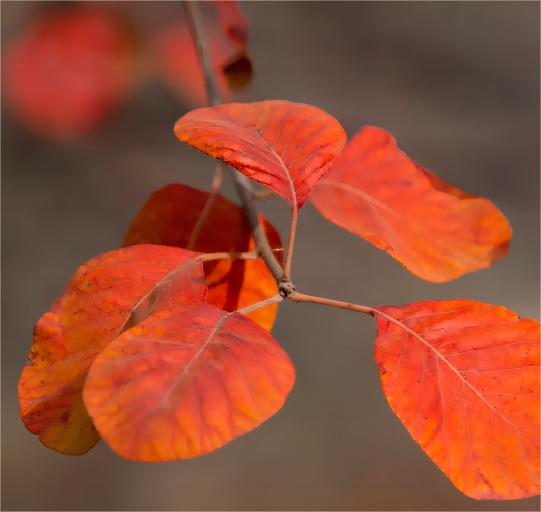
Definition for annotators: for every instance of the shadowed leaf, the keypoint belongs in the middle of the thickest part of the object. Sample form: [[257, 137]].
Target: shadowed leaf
[[463, 377], [169, 217], [185, 382], [105, 295], [435, 230], [285, 146]]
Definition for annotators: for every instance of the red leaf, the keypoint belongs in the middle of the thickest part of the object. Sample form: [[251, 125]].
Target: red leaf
[[463, 377], [169, 217], [185, 382], [66, 73], [106, 294], [435, 230], [285, 146]]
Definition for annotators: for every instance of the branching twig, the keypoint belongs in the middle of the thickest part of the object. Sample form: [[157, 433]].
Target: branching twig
[[242, 183]]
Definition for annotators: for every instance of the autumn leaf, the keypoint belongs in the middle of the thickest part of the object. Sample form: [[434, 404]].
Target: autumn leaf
[[435, 230], [463, 377], [169, 217], [285, 146], [185, 382], [67, 72], [178, 61], [106, 294]]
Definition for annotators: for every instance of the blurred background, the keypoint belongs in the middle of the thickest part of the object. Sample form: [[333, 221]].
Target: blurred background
[[458, 85]]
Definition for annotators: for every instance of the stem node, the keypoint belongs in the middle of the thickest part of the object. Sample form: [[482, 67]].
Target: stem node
[[286, 288]]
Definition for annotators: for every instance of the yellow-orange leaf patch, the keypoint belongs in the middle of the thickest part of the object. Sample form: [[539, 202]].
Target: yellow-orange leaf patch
[[169, 217], [463, 377], [185, 382], [434, 229]]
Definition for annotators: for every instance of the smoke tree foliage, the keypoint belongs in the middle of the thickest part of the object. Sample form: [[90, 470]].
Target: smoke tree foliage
[[163, 347]]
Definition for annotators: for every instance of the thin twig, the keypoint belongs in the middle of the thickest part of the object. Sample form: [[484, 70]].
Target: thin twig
[[302, 297], [195, 22], [215, 256], [209, 203], [242, 183], [260, 238], [258, 305]]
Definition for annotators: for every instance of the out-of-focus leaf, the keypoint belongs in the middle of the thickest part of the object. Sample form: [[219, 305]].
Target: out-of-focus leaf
[[285, 146], [237, 69], [185, 382], [169, 217], [67, 72], [105, 295], [463, 377], [178, 60], [435, 230]]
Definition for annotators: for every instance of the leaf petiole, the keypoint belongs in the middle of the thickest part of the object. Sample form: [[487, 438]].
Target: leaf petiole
[[258, 305]]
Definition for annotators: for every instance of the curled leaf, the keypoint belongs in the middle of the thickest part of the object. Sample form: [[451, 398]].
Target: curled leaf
[[185, 382], [169, 217], [463, 377], [285, 146], [434, 229], [106, 294]]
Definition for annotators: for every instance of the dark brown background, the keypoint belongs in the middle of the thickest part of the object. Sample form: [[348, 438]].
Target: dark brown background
[[457, 83]]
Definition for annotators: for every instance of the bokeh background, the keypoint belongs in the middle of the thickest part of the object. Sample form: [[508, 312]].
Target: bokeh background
[[458, 85]]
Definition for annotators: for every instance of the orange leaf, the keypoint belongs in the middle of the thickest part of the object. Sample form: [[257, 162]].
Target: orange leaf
[[285, 146], [463, 377], [169, 217], [435, 230], [106, 294], [185, 382], [67, 72]]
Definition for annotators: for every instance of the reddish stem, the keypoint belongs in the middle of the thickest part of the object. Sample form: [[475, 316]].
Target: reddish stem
[[302, 297]]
